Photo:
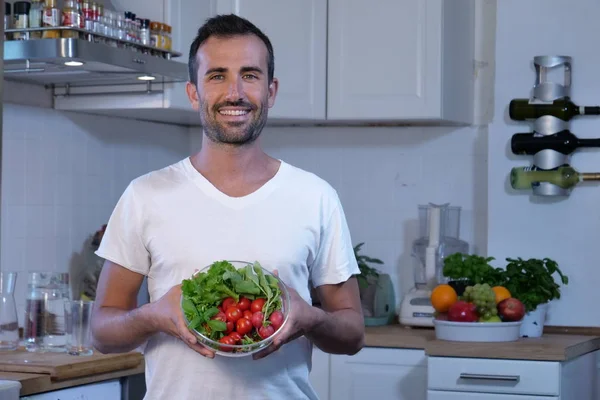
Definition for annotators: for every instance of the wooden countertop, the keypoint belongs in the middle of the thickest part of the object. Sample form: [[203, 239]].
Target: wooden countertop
[[42, 372], [550, 347]]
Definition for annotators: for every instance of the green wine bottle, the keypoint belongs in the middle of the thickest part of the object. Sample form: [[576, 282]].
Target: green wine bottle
[[565, 177], [564, 142], [563, 108]]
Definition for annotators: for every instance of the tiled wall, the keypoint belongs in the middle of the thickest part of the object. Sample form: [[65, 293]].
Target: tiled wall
[[62, 174], [383, 174]]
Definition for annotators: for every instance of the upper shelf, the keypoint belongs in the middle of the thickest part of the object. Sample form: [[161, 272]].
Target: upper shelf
[[88, 62]]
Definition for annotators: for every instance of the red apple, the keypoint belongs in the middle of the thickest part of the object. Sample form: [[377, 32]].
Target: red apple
[[511, 309], [461, 311]]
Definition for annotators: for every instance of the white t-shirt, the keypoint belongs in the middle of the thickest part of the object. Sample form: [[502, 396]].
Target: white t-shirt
[[172, 221]]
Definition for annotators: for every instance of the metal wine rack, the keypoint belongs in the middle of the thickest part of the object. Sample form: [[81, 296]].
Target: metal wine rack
[[543, 92]]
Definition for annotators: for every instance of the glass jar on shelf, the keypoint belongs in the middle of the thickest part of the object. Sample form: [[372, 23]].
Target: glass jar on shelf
[[71, 18], [51, 18], [21, 19], [35, 18]]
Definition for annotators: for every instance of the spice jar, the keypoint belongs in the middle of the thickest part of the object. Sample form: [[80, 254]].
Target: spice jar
[[7, 20], [21, 21], [35, 18], [51, 17], [70, 18], [145, 32], [154, 34]]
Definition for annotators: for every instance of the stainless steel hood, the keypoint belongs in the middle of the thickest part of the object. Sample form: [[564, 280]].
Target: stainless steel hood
[[42, 62]]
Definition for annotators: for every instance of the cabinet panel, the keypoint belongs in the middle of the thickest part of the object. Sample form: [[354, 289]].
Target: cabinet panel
[[319, 374], [386, 60], [434, 395], [383, 373], [298, 34], [494, 376]]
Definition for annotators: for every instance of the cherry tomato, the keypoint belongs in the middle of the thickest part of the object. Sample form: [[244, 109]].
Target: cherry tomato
[[257, 319], [276, 319], [244, 304], [243, 326], [236, 336], [230, 326], [233, 314], [257, 305], [248, 314], [226, 340], [266, 331], [228, 302], [220, 308], [220, 316]]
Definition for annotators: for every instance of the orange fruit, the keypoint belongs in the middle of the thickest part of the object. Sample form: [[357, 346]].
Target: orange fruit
[[443, 297], [502, 293]]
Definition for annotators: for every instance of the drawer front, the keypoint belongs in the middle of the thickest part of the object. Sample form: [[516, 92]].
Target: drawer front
[[435, 395], [494, 376]]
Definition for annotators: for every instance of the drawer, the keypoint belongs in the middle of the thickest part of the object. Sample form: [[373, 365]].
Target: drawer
[[494, 376], [435, 395]]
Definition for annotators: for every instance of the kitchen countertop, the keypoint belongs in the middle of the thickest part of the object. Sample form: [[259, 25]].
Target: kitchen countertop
[[550, 347], [43, 372]]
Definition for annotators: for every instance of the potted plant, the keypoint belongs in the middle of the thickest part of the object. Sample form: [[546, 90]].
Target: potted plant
[[368, 275], [464, 270], [532, 282], [376, 291]]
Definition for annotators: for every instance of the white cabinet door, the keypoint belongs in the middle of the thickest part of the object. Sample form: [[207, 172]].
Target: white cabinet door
[[298, 33], [94, 391], [400, 60], [380, 373], [186, 17], [434, 395], [319, 374]]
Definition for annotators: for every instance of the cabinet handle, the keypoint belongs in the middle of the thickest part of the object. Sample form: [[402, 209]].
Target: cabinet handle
[[509, 378]]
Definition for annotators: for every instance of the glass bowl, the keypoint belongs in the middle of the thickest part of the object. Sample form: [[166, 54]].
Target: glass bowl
[[256, 343]]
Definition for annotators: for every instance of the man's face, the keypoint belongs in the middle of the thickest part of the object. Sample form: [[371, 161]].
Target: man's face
[[233, 92]]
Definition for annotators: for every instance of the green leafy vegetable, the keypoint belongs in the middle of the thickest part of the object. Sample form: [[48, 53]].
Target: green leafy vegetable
[[205, 292], [473, 268]]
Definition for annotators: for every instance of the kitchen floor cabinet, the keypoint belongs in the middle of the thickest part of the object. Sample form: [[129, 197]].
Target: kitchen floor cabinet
[[451, 378], [337, 60], [399, 374]]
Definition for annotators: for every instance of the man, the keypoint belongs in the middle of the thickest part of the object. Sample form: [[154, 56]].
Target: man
[[229, 201]]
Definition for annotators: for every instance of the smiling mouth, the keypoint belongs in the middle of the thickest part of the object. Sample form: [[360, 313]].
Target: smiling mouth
[[234, 112]]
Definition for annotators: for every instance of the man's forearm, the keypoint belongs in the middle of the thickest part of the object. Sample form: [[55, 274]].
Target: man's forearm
[[339, 332], [118, 331]]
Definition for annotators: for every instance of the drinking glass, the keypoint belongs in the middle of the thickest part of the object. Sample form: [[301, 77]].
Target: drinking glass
[[78, 315], [9, 325]]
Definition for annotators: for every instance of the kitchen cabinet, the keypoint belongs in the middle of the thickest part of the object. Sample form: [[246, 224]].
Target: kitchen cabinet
[[93, 391], [400, 60], [343, 61], [399, 374], [298, 32], [452, 378]]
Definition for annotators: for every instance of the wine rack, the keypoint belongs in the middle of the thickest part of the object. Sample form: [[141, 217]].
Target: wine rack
[[545, 92]]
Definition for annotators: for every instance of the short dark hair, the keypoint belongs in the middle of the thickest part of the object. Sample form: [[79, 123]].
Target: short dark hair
[[227, 26]]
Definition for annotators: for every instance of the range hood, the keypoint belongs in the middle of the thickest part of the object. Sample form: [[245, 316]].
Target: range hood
[[90, 60]]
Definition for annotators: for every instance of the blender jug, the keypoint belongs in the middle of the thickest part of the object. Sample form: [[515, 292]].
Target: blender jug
[[9, 324], [449, 242]]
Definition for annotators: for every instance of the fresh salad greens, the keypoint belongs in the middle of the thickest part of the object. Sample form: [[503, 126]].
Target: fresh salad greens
[[232, 305]]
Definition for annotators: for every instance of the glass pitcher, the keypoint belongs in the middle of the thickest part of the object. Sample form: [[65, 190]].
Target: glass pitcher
[[45, 328], [9, 324]]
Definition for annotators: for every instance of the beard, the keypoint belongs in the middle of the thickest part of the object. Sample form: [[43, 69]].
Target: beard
[[233, 132]]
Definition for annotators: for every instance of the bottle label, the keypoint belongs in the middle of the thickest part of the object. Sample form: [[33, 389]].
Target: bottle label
[[51, 17], [71, 18]]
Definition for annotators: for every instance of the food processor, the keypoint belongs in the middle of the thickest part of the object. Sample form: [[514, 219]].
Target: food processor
[[438, 237]]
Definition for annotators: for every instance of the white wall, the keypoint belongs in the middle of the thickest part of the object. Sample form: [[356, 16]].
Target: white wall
[[565, 230], [383, 174], [62, 174]]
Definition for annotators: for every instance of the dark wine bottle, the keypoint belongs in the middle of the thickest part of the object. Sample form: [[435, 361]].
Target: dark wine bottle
[[564, 142], [563, 108]]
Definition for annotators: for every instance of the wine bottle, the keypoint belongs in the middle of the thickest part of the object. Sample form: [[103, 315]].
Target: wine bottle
[[563, 108], [564, 142], [565, 177]]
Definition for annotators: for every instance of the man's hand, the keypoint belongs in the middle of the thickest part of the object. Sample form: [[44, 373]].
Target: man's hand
[[301, 319], [169, 319]]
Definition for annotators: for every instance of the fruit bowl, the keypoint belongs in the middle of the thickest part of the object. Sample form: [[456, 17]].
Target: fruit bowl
[[477, 331], [227, 331]]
